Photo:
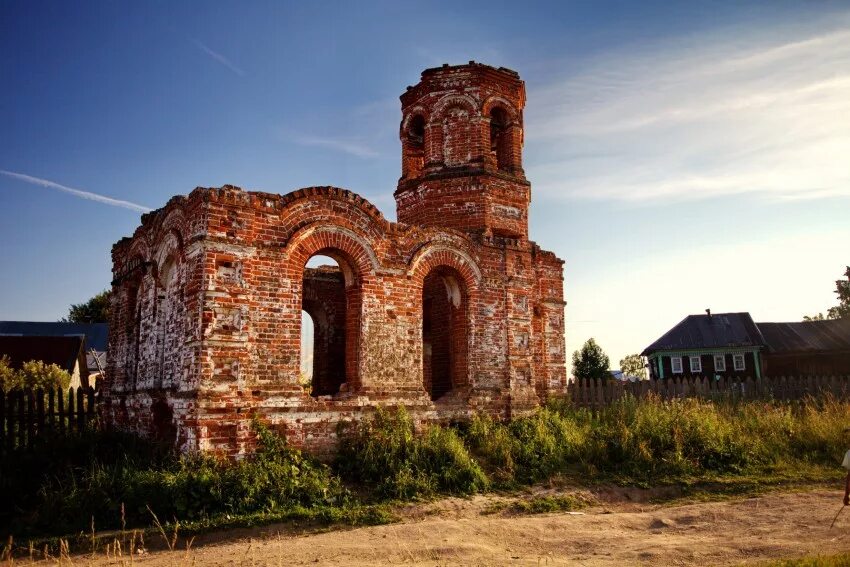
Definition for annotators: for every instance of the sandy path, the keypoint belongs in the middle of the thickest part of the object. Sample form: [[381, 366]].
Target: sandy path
[[455, 532]]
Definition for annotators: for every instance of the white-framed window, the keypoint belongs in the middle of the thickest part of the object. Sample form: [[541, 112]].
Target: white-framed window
[[696, 364], [676, 364], [720, 363], [738, 361]]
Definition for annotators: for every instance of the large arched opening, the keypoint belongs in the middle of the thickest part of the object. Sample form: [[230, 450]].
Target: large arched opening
[[330, 323], [445, 330]]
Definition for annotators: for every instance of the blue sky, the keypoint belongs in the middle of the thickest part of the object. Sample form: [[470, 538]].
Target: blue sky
[[681, 157]]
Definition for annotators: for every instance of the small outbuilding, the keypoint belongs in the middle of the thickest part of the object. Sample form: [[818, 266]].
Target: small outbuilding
[[94, 335], [68, 353], [807, 348]]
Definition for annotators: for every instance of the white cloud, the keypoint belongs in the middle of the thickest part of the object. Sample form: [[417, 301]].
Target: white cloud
[[726, 113], [219, 57], [351, 146], [76, 192]]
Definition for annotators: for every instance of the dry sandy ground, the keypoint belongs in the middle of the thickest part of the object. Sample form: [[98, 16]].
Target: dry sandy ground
[[614, 531]]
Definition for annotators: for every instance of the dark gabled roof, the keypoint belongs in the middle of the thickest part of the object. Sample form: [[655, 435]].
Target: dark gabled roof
[[62, 351], [807, 336], [95, 333], [717, 330]]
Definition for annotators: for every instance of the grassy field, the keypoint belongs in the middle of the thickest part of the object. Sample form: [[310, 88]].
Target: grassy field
[[106, 482]]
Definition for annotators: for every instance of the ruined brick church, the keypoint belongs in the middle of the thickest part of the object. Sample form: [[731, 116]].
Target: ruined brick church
[[449, 311]]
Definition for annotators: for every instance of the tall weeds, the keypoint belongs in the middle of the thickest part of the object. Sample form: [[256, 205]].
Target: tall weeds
[[385, 454], [112, 480]]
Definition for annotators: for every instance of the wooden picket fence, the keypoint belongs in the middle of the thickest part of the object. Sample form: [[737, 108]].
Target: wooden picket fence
[[28, 414], [599, 393]]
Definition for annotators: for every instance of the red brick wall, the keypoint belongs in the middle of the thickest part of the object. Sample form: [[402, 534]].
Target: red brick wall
[[206, 317]]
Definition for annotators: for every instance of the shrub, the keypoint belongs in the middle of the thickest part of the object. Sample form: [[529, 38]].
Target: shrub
[[33, 374], [384, 452], [108, 471], [37, 374], [9, 377]]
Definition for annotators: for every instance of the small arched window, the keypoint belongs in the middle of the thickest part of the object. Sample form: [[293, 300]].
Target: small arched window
[[416, 132], [414, 146], [499, 142]]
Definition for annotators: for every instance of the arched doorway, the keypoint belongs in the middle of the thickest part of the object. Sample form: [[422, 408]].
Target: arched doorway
[[444, 331], [329, 324]]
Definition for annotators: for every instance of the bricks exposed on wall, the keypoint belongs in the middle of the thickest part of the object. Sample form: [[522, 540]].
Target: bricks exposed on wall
[[451, 311]]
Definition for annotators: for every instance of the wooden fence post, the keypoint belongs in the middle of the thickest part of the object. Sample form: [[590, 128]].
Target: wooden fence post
[[30, 418], [39, 407], [81, 410], [51, 422], [70, 410], [10, 428], [2, 421]]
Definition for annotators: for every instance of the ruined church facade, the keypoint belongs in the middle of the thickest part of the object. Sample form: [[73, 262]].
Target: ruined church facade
[[449, 311]]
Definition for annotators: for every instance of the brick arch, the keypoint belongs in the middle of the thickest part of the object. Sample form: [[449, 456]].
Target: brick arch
[[169, 248], [503, 149], [442, 106], [358, 262], [307, 215], [318, 196], [139, 249], [410, 113], [413, 154], [332, 240], [432, 256], [500, 102], [169, 306], [173, 223], [446, 282], [455, 143]]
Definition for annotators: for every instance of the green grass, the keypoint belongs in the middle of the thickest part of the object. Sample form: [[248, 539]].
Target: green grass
[[650, 442], [385, 453], [118, 481], [705, 450]]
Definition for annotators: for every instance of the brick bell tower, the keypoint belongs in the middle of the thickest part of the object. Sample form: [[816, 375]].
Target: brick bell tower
[[462, 135]]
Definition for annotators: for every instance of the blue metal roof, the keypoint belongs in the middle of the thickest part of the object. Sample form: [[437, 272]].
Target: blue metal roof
[[96, 333]]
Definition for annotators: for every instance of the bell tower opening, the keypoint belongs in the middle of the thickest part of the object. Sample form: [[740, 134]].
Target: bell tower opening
[[461, 136], [413, 142], [499, 140]]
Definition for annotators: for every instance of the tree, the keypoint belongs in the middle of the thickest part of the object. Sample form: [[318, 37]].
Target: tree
[[842, 290], [633, 365], [34, 374], [842, 310], [591, 361], [95, 310]]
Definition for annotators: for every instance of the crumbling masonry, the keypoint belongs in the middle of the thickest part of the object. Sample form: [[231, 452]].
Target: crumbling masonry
[[450, 311]]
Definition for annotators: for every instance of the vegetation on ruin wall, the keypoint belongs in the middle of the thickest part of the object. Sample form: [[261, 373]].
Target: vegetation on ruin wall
[[59, 489]]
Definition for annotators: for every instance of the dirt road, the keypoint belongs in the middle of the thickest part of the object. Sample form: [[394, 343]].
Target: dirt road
[[458, 532]]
